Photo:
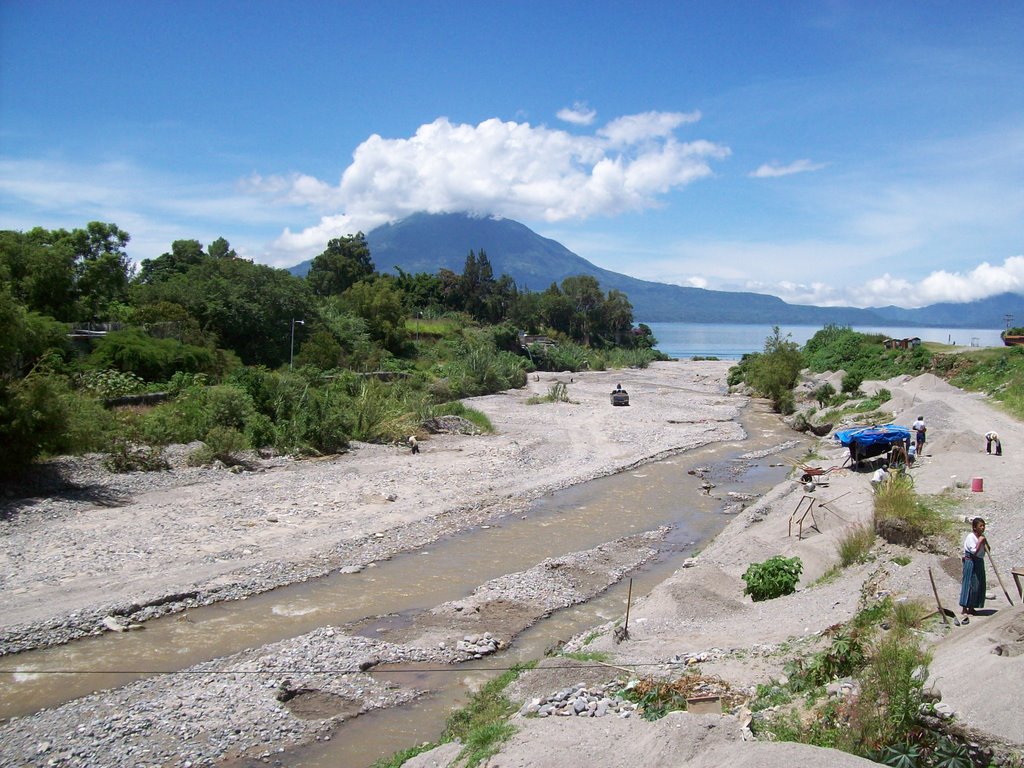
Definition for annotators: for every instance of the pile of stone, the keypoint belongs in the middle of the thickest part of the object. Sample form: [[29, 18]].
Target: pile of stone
[[478, 646], [579, 701]]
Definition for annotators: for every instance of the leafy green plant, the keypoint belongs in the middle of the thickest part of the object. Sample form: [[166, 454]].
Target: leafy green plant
[[112, 383], [770, 695], [775, 577]]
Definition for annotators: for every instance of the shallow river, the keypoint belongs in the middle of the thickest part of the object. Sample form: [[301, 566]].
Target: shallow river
[[661, 493]]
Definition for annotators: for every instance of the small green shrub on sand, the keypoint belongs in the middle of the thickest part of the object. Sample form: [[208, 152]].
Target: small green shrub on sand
[[775, 577]]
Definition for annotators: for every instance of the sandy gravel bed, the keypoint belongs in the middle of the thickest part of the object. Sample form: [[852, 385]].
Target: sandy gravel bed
[[140, 545]]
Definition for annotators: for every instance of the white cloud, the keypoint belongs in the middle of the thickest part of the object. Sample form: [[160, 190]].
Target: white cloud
[[505, 168], [774, 170], [578, 114], [632, 129], [942, 286]]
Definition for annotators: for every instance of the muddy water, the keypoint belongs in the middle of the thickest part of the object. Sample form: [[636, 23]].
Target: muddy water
[[574, 519], [667, 494]]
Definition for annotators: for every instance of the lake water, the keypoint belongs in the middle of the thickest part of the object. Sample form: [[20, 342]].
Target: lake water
[[730, 342]]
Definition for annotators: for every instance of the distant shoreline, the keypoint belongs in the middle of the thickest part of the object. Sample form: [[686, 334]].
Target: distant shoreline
[[730, 341]]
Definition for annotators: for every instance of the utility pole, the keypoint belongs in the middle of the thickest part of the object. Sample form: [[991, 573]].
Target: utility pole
[[291, 353], [1009, 319]]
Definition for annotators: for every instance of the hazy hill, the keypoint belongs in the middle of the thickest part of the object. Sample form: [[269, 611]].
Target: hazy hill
[[428, 242]]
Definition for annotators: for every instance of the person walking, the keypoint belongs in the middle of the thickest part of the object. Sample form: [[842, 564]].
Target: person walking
[[972, 584], [992, 438], [919, 433]]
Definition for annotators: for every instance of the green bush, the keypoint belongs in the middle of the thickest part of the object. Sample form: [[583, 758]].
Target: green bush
[[126, 456], [775, 577], [228, 406], [852, 382], [823, 395], [220, 444], [112, 383], [42, 415], [153, 359]]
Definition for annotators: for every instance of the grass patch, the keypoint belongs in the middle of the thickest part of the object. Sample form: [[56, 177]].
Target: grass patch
[[855, 546], [557, 393], [908, 614], [903, 560], [457, 408], [924, 516], [832, 574], [482, 725], [433, 327], [601, 656]]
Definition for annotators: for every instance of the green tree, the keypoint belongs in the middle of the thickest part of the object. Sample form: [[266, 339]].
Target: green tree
[[247, 307], [775, 371], [616, 317], [379, 303], [585, 297], [221, 249], [103, 267], [68, 275], [344, 262], [184, 255]]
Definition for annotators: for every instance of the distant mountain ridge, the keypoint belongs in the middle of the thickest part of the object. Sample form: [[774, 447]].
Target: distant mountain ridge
[[426, 242]]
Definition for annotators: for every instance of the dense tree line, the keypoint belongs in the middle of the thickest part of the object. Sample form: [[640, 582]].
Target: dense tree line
[[253, 355]]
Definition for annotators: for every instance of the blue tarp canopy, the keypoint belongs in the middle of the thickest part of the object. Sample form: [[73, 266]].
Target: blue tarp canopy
[[887, 435], [867, 442]]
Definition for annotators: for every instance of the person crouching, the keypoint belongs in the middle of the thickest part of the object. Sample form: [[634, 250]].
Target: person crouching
[[992, 438]]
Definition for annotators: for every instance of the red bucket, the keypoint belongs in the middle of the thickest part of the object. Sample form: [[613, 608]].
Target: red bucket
[[977, 484]]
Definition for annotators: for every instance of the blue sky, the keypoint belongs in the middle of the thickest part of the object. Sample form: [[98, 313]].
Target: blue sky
[[859, 153]]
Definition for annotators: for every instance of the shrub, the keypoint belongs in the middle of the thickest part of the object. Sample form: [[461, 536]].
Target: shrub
[[852, 382], [221, 444], [126, 456], [823, 395], [112, 383], [890, 697], [153, 359], [228, 406], [775, 577]]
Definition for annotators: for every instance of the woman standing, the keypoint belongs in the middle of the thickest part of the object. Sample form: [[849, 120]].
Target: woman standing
[[972, 587]]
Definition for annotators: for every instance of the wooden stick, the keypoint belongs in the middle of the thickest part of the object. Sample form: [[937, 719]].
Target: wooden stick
[[998, 577], [935, 591], [629, 599]]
